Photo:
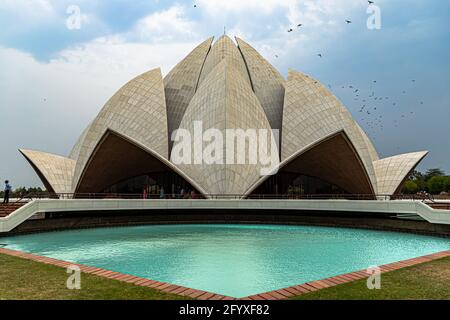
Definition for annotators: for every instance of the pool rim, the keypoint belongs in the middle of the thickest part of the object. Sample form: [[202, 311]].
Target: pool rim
[[278, 294]]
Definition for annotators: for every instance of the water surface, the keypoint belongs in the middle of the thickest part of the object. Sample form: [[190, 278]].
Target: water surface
[[233, 260]]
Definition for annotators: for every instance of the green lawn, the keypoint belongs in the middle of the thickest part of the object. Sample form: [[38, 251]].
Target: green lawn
[[428, 281], [22, 279]]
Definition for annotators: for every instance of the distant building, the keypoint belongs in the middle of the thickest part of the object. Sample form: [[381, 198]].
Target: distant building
[[128, 147]]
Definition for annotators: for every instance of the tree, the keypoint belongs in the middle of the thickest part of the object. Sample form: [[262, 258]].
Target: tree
[[438, 184], [410, 187], [436, 172], [416, 175]]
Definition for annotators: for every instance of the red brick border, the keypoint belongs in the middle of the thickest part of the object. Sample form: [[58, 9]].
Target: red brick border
[[279, 294], [340, 279], [160, 286]]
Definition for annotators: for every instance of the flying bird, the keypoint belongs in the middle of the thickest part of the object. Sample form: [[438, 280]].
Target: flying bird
[[290, 30], [348, 21], [370, 2], [319, 55]]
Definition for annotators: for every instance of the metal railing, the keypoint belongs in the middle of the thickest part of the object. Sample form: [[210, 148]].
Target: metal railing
[[92, 196]]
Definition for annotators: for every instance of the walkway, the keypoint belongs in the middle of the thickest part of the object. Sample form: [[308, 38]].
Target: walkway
[[393, 207]]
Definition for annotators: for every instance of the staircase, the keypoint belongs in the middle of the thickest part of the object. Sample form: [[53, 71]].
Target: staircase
[[7, 209], [440, 205]]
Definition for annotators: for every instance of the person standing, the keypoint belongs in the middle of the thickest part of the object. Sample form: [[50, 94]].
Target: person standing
[[145, 193], [8, 189]]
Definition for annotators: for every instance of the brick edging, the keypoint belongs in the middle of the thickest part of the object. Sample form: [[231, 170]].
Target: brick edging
[[312, 286], [143, 282], [279, 294]]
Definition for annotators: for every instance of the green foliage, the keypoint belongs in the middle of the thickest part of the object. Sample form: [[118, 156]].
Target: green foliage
[[410, 187], [436, 172], [23, 191], [438, 184], [415, 175], [432, 181]]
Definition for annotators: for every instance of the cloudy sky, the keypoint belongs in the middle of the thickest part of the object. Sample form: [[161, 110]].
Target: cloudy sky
[[55, 79]]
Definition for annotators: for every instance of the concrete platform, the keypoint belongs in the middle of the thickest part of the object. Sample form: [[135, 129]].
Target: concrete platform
[[292, 208]]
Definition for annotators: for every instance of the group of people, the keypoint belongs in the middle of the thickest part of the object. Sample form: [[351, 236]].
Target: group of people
[[7, 192], [180, 193]]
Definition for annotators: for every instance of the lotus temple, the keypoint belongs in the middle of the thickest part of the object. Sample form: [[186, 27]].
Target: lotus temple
[[128, 146], [126, 162]]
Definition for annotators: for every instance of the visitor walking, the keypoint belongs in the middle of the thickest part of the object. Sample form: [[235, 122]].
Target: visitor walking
[[162, 195], [145, 193], [8, 189]]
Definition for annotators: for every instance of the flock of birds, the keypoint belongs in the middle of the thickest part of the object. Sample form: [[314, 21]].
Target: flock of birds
[[347, 21], [374, 109], [372, 104]]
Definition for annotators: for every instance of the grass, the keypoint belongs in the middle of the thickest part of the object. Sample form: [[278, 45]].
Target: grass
[[22, 279], [427, 281]]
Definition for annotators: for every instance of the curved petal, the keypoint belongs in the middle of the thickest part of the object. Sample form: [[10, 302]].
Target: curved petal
[[370, 147], [55, 171], [117, 158], [75, 153], [181, 83], [310, 113], [392, 172], [268, 83], [224, 49], [138, 111], [225, 101]]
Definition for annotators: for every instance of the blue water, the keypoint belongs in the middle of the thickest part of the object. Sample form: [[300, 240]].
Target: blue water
[[234, 260]]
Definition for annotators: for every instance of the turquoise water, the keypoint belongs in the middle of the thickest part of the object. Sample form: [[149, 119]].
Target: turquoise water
[[234, 260]]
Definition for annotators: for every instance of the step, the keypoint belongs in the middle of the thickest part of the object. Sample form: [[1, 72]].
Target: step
[[6, 210], [440, 206]]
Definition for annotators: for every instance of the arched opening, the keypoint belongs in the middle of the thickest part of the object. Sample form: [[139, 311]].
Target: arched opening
[[118, 166], [332, 167]]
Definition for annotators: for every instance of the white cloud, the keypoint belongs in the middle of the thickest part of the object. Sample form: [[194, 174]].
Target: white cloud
[[296, 11], [45, 106], [167, 25]]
